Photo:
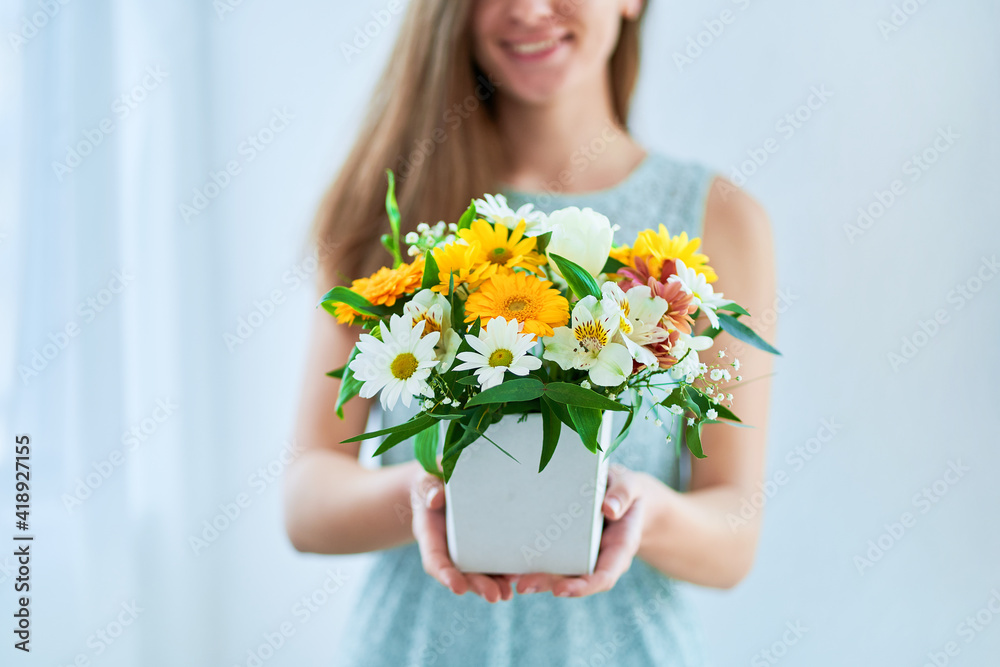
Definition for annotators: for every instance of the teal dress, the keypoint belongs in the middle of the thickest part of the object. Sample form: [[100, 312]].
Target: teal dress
[[404, 617]]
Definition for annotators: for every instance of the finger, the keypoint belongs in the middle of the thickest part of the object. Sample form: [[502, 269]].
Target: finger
[[429, 529], [619, 544], [536, 582], [429, 491], [506, 586], [623, 489], [484, 586]]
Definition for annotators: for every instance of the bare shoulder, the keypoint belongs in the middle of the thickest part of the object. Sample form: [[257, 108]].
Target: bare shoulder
[[734, 218], [737, 239]]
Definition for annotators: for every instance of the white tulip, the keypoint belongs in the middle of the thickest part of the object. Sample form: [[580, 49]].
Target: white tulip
[[583, 237]]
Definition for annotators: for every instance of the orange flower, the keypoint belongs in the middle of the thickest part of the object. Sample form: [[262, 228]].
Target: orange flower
[[521, 297], [383, 287]]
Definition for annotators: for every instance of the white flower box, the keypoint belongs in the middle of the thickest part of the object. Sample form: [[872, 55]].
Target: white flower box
[[504, 517]]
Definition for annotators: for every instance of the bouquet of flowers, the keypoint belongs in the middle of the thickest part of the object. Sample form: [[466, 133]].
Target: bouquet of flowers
[[507, 313]]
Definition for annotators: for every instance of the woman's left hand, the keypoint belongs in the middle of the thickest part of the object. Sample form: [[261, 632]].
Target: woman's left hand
[[620, 541]]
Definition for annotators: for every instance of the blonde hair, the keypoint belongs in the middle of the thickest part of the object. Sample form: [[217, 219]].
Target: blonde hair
[[432, 120]]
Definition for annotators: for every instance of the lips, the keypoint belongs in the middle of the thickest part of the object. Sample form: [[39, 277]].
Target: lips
[[535, 48]]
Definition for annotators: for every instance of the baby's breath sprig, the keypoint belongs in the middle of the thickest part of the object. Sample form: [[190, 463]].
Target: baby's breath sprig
[[427, 237]]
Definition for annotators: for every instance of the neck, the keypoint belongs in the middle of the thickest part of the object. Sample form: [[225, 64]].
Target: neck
[[572, 143]]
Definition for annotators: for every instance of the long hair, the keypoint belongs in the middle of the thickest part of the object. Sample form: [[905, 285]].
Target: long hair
[[432, 120]]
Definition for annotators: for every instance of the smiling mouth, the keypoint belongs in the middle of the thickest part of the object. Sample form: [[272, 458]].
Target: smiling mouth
[[540, 48]]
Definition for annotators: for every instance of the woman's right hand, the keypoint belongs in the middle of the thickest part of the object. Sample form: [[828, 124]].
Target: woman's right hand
[[427, 503]]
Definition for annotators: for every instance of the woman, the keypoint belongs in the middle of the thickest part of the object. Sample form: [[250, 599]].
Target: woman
[[529, 97]]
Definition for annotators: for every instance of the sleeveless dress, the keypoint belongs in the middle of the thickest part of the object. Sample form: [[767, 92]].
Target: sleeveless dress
[[404, 617]]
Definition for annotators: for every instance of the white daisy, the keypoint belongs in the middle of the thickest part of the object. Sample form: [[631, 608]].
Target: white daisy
[[694, 283], [587, 343], [435, 310], [398, 365], [499, 348], [496, 210]]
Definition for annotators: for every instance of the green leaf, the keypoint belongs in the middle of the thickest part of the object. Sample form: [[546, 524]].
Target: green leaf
[[471, 429], [392, 210], [551, 429], [737, 329], [337, 373], [574, 394], [692, 437], [522, 389], [345, 295], [425, 447], [696, 401], [622, 434], [711, 332], [418, 423], [725, 412], [471, 381], [587, 423], [431, 272], [349, 385], [559, 410], [542, 242], [579, 280], [612, 266], [734, 307], [468, 216]]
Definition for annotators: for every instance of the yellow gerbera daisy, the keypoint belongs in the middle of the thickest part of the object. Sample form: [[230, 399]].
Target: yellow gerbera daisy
[[462, 260], [383, 287], [521, 297], [660, 245], [503, 249]]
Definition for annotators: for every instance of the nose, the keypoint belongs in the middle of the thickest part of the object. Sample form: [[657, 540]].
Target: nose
[[533, 13]]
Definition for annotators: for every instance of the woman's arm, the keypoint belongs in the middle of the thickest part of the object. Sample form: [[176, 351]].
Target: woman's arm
[[333, 505], [693, 536]]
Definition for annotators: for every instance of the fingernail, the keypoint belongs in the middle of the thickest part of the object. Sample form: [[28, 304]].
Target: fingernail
[[614, 505], [564, 594], [431, 495], [529, 590]]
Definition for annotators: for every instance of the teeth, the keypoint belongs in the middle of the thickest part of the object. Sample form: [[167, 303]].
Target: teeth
[[534, 47]]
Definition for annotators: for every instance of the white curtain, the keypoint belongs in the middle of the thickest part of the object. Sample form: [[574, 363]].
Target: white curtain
[[151, 344]]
